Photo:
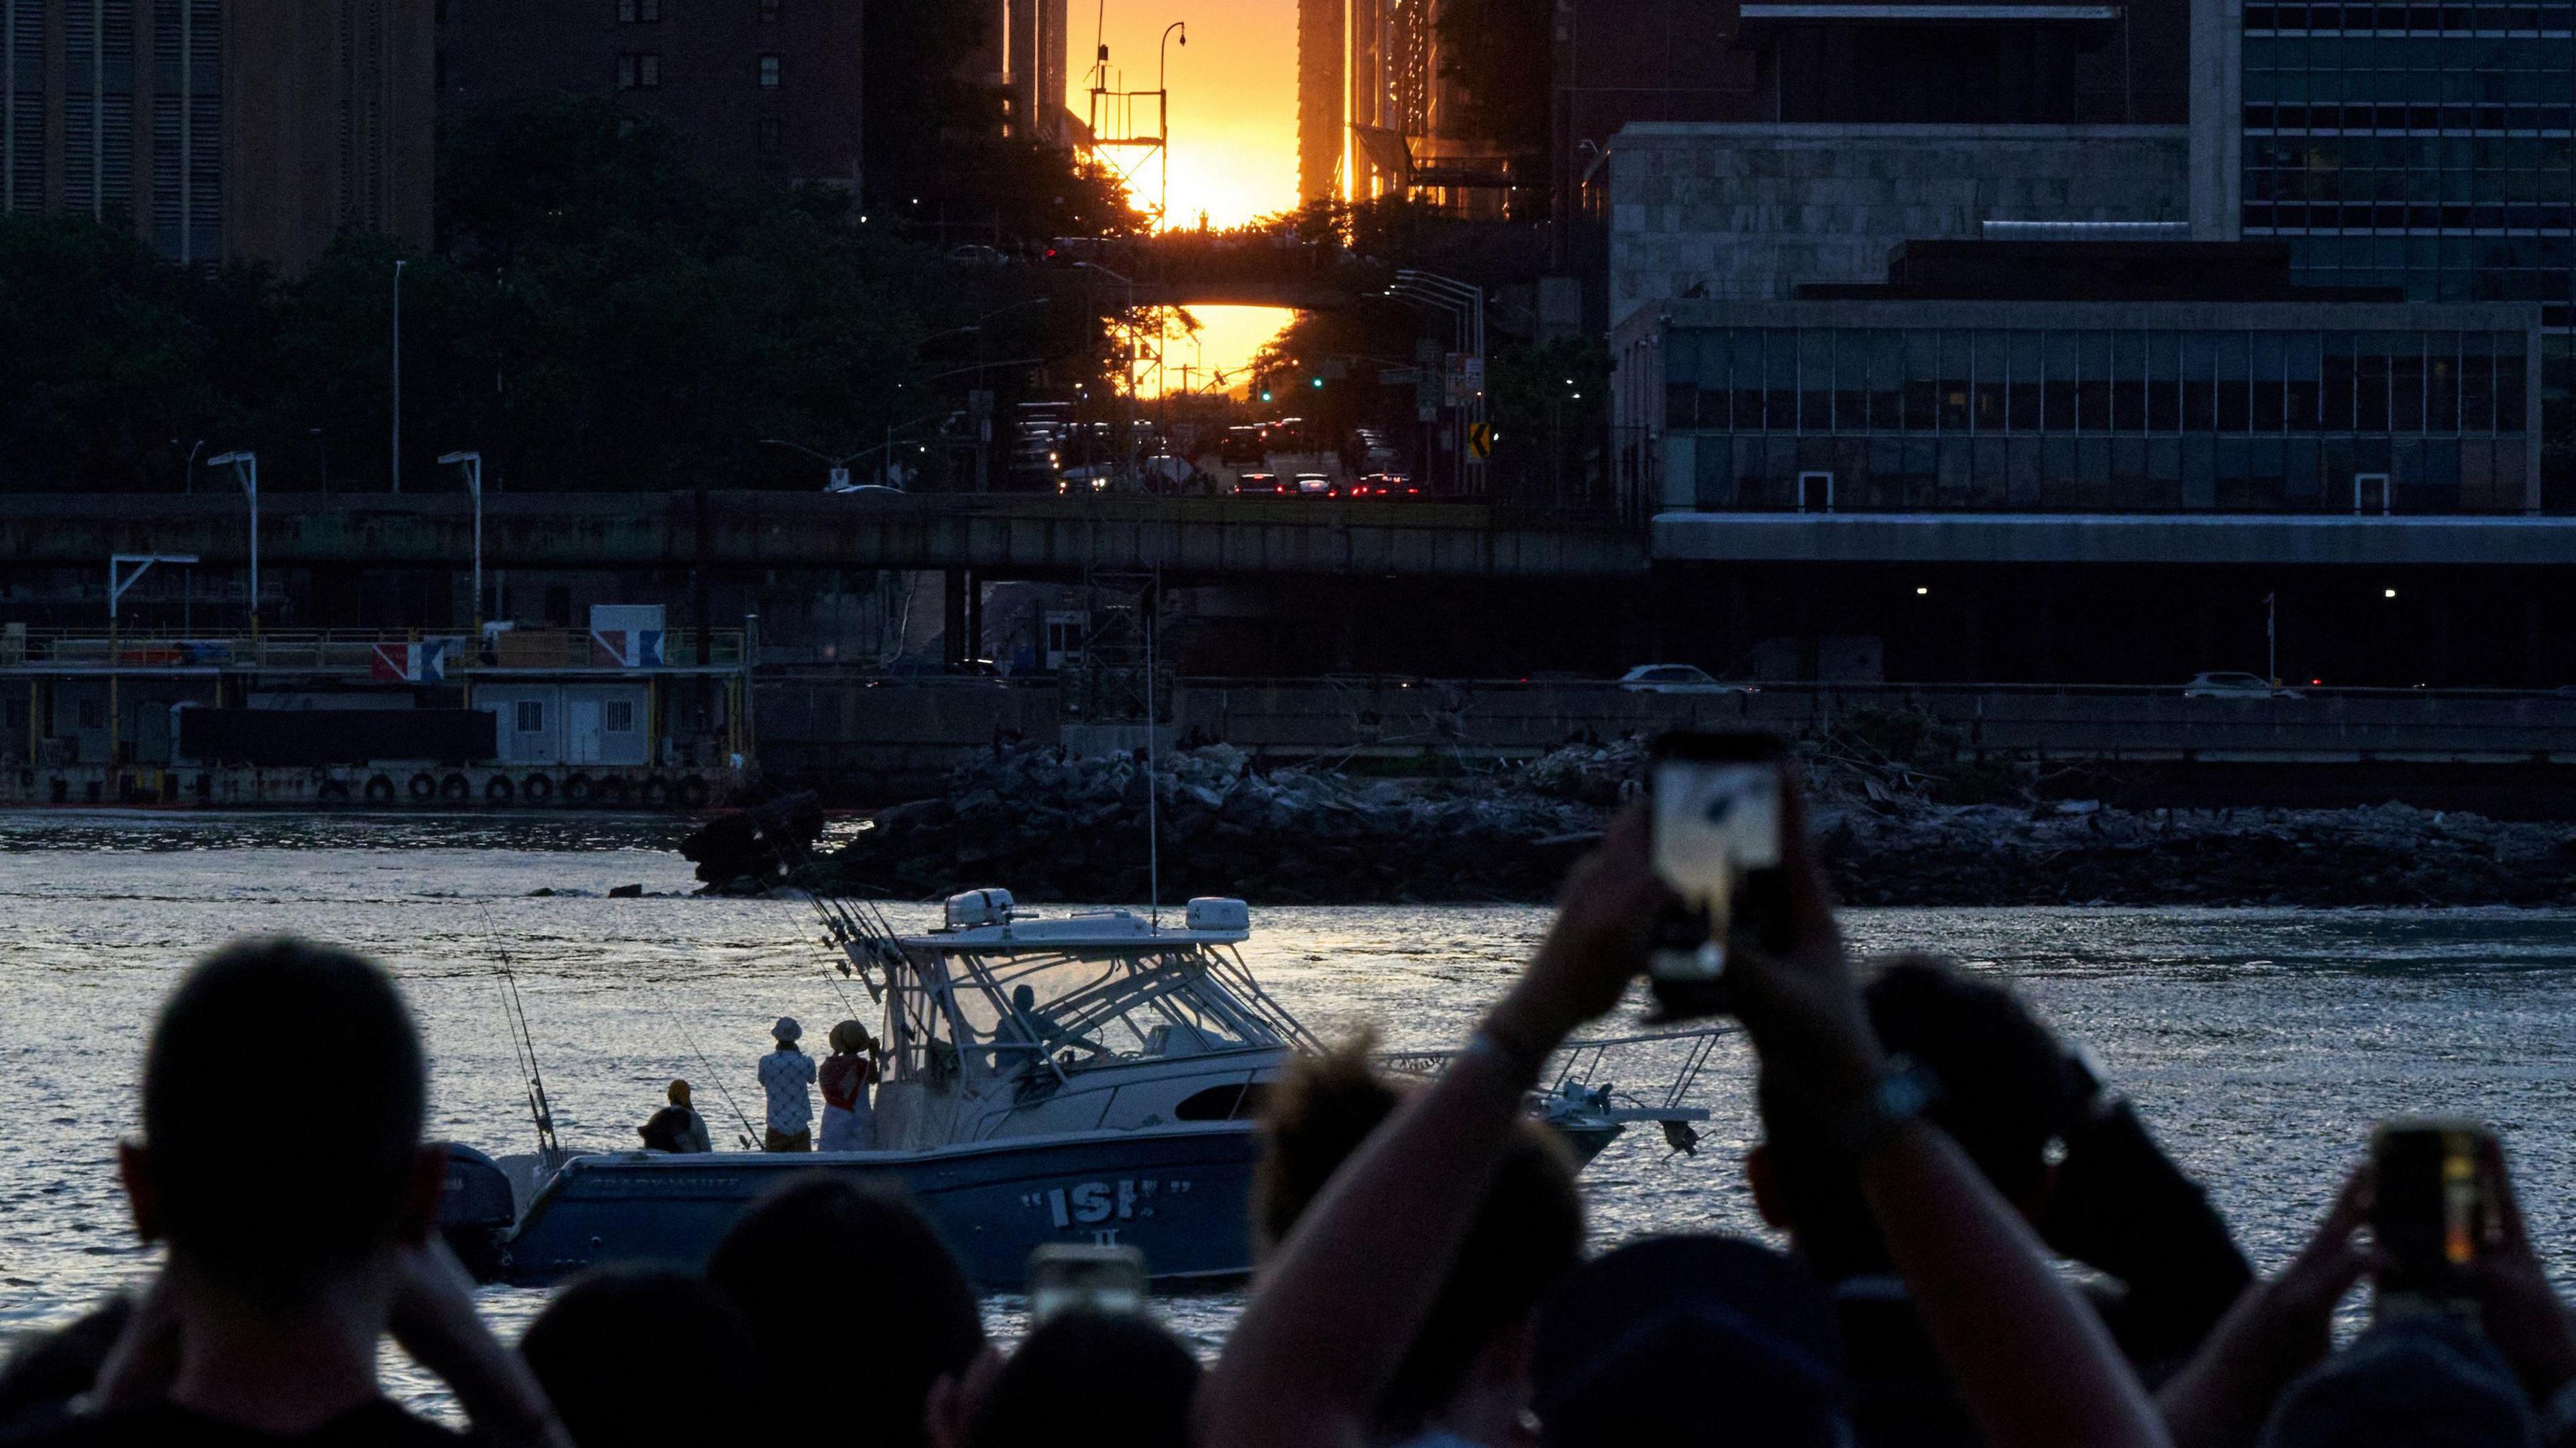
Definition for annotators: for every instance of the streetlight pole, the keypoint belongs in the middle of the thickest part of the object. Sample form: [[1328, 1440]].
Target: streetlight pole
[[398, 271], [245, 468], [1129, 320], [2272, 639], [1163, 111], [472, 463]]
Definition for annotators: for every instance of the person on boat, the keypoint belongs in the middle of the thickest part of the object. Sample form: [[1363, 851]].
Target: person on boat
[[784, 1074], [1032, 1024], [676, 1127], [849, 1121]]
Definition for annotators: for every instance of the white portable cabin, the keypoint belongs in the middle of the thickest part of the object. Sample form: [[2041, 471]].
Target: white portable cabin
[[569, 723]]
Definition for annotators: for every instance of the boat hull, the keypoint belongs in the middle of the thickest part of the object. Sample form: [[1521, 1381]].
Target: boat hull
[[1181, 1195]]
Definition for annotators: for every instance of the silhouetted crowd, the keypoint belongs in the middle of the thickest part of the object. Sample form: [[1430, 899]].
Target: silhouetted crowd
[[1984, 1246]]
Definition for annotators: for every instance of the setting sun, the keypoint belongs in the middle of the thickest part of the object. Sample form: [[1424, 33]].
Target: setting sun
[[1233, 102]]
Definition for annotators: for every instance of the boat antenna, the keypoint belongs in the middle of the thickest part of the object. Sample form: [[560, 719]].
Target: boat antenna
[[523, 1043], [1153, 788]]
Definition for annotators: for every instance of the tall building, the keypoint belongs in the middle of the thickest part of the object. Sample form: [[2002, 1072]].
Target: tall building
[[221, 130], [760, 88], [1036, 74], [1321, 66]]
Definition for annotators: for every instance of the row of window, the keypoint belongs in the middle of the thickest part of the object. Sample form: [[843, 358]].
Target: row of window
[[2417, 19], [642, 70], [2438, 168], [1828, 380], [2486, 65], [2409, 120], [2110, 475], [2402, 218], [646, 12]]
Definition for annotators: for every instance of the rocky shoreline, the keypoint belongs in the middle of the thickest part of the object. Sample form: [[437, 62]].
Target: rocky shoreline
[[1052, 828]]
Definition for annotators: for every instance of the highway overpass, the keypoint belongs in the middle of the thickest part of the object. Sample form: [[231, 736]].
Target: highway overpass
[[996, 536]]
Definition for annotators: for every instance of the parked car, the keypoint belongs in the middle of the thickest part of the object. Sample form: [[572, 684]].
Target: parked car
[[1316, 485], [1677, 679], [1260, 485], [2234, 686]]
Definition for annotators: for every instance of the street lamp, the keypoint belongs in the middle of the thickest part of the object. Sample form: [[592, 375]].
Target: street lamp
[[472, 464], [1163, 111], [245, 468], [398, 270]]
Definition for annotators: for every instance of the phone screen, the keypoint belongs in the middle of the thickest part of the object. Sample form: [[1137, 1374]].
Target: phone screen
[[2432, 1210], [1716, 843], [1065, 1276]]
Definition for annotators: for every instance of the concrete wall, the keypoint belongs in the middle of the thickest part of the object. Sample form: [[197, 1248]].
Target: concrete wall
[[866, 742], [1747, 212]]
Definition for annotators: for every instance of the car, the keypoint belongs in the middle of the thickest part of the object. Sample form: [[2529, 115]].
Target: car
[[1315, 485], [2234, 686], [1677, 679], [1384, 485], [1261, 485]]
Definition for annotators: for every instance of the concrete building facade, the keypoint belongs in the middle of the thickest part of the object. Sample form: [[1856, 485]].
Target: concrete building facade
[[1751, 211], [761, 88], [221, 130]]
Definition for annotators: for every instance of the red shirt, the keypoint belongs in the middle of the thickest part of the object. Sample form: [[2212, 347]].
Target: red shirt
[[843, 1078]]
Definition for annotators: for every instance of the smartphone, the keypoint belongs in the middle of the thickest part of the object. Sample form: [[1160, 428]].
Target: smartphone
[[1069, 1276], [2433, 1211], [1716, 803]]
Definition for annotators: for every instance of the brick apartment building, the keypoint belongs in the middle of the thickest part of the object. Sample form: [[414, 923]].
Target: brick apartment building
[[766, 88]]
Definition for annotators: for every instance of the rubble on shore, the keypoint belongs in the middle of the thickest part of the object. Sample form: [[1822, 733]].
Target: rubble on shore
[[1056, 828]]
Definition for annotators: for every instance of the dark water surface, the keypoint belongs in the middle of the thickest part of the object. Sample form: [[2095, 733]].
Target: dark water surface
[[2260, 1044]]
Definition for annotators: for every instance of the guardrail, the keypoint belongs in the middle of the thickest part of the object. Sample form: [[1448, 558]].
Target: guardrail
[[355, 651]]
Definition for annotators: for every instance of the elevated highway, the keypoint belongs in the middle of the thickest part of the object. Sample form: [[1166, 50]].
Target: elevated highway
[[999, 535]]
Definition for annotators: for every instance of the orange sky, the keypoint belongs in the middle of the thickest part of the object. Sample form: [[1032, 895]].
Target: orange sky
[[1234, 98], [1234, 130]]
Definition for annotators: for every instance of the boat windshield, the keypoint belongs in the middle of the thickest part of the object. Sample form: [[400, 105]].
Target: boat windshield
[[1084, 1009]]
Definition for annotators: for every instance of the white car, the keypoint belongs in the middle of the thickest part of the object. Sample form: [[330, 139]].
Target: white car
[[1677, 679], [2234, 686]]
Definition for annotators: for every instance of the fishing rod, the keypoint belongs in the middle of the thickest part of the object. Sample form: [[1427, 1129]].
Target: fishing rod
[[523, 1043], [749, 1141]]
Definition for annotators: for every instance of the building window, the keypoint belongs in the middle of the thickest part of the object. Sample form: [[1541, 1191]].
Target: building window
[[772, 133], [630, 12], [617, 716], [769, 11], [648, 72], [769, 72], [626, 72], [532, 717]]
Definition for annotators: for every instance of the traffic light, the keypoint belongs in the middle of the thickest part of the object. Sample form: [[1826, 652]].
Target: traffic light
[[1318, 383], [1265, 394]]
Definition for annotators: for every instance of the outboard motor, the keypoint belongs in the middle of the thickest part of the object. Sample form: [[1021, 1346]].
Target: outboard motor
[[474, 1209]]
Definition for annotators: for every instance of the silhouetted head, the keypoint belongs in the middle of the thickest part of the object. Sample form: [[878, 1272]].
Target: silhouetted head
[[1123, 1379], [1663, 1340], [273, 1209], [802, 1255], [1024, 997], [2428, 1380], [2005, 1095], [1526, 1234], [637, 1357], [679, 1093]]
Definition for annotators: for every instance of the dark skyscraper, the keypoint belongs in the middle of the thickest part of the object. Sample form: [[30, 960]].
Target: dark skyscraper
[[219, 130]]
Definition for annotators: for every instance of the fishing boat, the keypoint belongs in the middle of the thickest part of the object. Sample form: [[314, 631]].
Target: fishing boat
[[1090, 1077]]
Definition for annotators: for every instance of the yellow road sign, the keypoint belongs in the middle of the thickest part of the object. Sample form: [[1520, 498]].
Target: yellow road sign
[[1480, 439]]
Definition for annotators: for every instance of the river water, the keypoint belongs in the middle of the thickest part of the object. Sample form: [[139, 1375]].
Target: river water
[[2260, 1044]]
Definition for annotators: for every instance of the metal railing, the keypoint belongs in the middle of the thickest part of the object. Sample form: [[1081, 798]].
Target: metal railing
[[352, 651]]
